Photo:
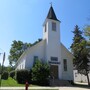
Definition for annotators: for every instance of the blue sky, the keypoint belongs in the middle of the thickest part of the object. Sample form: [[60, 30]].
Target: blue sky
[[23, 19]]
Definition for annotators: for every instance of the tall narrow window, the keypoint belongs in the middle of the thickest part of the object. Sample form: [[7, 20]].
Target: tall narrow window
[[53, 26], [65, 64], [35, 58], [45, 28]]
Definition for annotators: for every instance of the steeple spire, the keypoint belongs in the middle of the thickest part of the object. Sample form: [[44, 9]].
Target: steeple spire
[[51, 3], [51, 14]]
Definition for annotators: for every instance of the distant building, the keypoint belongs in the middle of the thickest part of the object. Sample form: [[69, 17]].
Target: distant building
[[80, 77], [49, 50]]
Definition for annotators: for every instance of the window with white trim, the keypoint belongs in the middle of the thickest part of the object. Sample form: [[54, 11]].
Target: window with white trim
[[45, 28], [35, 58], [53, 26], [65, 64]]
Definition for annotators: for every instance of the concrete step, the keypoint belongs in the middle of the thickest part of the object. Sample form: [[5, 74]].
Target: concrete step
[[57, 82]]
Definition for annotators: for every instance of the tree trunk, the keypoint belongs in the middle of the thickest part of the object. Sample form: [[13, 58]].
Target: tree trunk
[[88, 79]]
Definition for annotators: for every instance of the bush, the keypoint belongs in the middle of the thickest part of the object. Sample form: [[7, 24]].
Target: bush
[[71, 82], [40, 73], [12, 74], [5, 75], [22, 76]]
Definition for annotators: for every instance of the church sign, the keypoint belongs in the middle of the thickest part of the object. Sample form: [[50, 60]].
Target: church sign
[[50, 62]]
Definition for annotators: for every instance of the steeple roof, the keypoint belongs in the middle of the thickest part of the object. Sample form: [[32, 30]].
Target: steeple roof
[[51, 14]]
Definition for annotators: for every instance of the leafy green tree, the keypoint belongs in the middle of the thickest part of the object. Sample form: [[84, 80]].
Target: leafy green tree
[[36, 42], [8, 68], [5, 75], [40, 73], [17, 48], [0, 67], [81, 53]]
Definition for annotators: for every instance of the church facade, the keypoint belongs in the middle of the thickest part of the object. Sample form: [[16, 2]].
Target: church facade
[[49, 50]]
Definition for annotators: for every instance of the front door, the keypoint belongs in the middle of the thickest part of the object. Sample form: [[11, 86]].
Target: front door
[[54, 71]]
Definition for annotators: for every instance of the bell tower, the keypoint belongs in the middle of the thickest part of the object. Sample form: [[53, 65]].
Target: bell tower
[[51, 26], [51, 33]]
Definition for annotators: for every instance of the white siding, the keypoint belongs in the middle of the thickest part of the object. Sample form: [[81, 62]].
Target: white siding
[[21, 63], [36, 50], [27, 58], [52, 42], [65, 54]]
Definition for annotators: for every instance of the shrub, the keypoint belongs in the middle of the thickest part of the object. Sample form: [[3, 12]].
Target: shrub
[[12, 74], [40, 73], [22, 76], [5, 75]]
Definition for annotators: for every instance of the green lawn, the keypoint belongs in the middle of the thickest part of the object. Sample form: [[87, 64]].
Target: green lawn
[[10, 82], [13, 83]]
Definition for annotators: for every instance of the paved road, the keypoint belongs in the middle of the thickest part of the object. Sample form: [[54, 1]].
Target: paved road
[[73, 88], [59, 88]]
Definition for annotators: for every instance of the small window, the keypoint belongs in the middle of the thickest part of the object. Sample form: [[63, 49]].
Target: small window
[[65, 64], [54, 59], [53, 26], [35, 58], [45, 28]]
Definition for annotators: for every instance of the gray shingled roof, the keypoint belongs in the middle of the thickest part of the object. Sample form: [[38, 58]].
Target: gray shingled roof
[[51, 14]]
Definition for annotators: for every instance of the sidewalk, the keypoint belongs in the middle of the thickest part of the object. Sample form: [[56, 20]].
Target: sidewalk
[[58, 88], [23, 88]]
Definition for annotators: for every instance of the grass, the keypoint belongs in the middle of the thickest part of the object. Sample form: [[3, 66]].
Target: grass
[[13, 83], [10, 82]]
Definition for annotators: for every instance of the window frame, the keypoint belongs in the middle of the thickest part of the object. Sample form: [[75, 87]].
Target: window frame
[[53, 26], [45, 28], [65, 64], [53, 59], [35, 58]]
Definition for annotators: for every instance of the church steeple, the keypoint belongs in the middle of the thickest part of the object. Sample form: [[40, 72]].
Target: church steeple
[[51, 14], [51, 27]]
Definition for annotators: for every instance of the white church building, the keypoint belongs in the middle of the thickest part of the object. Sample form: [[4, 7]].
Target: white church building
[[49, 50]]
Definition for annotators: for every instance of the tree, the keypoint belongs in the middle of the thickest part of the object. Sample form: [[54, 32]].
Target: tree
[[5, 75], [0, 68], [87, 34], [40, 73], [87, 31], [81, 53], [17, 48]]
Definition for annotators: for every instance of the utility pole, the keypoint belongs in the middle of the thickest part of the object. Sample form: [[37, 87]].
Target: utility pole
[[2, 68]]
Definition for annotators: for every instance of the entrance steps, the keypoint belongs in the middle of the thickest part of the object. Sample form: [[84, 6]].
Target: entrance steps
[[57, 82]]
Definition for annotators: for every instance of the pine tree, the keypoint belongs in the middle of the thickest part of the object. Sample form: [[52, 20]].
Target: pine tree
[[81, 53], [87, 32]]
